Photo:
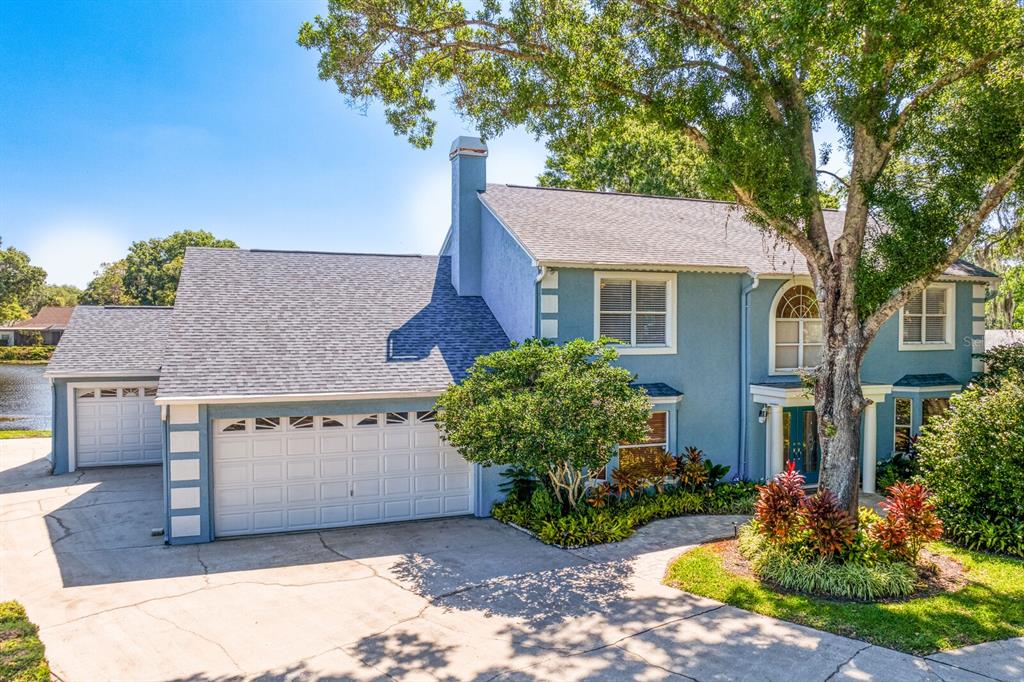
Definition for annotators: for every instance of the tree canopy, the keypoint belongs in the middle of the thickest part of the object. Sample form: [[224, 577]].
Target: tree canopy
[[928, 99], [20, 281], [149, 274], [556, 410]]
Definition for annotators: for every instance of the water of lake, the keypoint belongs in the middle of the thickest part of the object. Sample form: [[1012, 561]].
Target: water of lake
[[24, 397]]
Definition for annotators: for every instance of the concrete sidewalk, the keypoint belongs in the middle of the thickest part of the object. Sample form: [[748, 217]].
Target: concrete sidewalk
[[465, 599]]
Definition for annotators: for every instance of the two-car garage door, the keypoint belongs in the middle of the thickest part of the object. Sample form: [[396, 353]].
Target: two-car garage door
[[273, 474]]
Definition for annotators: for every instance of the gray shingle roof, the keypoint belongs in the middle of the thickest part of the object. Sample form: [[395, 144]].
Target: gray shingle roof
[[573, 226], [274, 323], [659, 390], [110, 339], [925, 380]]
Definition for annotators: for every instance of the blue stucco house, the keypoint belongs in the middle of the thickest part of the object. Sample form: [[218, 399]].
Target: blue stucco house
[[295, 390]]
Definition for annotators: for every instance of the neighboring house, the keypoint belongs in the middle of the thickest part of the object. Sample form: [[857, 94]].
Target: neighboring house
[[994, 338], [295, 390], [44, 327]]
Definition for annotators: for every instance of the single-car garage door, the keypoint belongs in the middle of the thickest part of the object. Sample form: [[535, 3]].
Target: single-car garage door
[[274, 474], [117, 425]]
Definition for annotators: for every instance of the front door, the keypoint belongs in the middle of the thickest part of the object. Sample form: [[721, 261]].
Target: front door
[[800, 441]]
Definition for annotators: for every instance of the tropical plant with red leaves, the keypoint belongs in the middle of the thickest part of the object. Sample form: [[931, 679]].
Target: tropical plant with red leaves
[[830, 530], [910, 520], [691, 470], [778, 503]]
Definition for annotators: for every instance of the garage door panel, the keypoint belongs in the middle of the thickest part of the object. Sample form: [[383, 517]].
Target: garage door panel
[[397, 486], [268, 495], [332, 472], [302, 493], [268, 447], [333, 467], [305, 445], [232, 498], [303, 468], [396, 463], [334, 491], [267, 471], [333, 443], [366, 465]]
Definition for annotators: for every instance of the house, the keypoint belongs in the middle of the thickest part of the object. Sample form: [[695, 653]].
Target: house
[[295, 390], [45, 328]]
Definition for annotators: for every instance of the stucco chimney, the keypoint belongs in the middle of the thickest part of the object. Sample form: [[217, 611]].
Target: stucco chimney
[[469, 176]]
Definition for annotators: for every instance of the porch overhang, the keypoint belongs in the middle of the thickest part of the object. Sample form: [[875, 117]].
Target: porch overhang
[[796, 394]]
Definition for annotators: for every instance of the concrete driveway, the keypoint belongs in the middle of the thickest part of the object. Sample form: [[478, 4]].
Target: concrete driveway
[[453, 599]]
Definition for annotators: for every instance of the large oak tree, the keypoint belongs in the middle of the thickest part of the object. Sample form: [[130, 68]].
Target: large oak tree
[[929, 99]]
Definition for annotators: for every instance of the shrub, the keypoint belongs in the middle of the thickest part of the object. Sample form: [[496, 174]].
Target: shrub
[[586, 527], [910, 521], [778, 502], [972, 458], [629, 478], [690, 469], [23, 353], [599, 495], [791, 570], [543, 504], [558, 410], [519, 484], [830, 530], [1000, 362], [902, 466]]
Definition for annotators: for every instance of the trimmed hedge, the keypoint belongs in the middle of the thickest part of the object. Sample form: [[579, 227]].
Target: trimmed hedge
[[619, 519], [23, 353]]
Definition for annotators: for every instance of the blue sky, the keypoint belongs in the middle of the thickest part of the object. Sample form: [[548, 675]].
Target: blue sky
[[128, 120]]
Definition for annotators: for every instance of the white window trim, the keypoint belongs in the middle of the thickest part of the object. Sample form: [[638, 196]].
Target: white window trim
[[670, 318], [72, 416], [895, 426], [794, 282], [949, 343]]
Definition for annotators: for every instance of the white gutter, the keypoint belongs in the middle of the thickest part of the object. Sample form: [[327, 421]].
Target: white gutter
[[81, 374], [296, 397], [745, 370]]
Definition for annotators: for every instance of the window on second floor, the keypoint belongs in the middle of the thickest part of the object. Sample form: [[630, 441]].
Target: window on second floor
[[797, 330], [636, 310], [926, 321]]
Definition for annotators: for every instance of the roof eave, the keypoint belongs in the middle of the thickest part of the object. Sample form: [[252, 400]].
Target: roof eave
[[220, 399]]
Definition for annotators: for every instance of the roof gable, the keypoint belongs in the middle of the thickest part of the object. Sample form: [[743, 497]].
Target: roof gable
[[111, 340]]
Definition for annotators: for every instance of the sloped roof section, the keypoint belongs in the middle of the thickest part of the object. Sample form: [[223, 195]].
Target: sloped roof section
[[48, 317], [925, 381], [106, 340], [572, 226], [275, 323]]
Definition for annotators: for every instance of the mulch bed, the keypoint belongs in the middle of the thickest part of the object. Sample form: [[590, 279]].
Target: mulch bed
[[937, 573]]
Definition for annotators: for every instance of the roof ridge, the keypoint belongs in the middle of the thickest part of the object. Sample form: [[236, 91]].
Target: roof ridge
[[340, 253], [631, 194]]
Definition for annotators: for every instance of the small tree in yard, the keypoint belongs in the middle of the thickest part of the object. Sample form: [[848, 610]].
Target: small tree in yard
[[557, 410], [928, 99]]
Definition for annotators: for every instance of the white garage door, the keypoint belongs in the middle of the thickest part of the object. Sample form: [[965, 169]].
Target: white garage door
[[119, 425], [274, 474]]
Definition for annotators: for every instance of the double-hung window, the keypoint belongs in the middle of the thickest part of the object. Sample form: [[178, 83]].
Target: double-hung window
[[926, 321], [635, 309]]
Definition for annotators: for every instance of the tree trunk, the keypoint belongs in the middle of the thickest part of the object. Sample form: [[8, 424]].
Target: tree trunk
[[839, 403]]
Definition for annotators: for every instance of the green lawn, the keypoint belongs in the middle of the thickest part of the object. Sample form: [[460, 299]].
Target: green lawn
[[24, 433], [22, 656], [990, 607]]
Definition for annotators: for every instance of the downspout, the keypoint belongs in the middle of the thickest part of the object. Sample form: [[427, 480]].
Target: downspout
[[741, 465]]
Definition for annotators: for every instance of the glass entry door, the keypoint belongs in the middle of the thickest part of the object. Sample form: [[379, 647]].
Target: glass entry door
[[800, 441]]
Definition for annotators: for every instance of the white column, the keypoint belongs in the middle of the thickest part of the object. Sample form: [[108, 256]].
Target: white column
[[776, 456], [870, 444]]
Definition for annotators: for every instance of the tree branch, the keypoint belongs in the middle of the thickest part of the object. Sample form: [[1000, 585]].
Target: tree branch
[[942, 82], [841, 181], [963, 240]]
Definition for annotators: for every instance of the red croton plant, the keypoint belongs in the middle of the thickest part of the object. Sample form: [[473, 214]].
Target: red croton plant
[[785, 514]]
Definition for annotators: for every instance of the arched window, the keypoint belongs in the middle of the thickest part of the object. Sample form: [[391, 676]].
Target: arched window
[[797, 330]]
